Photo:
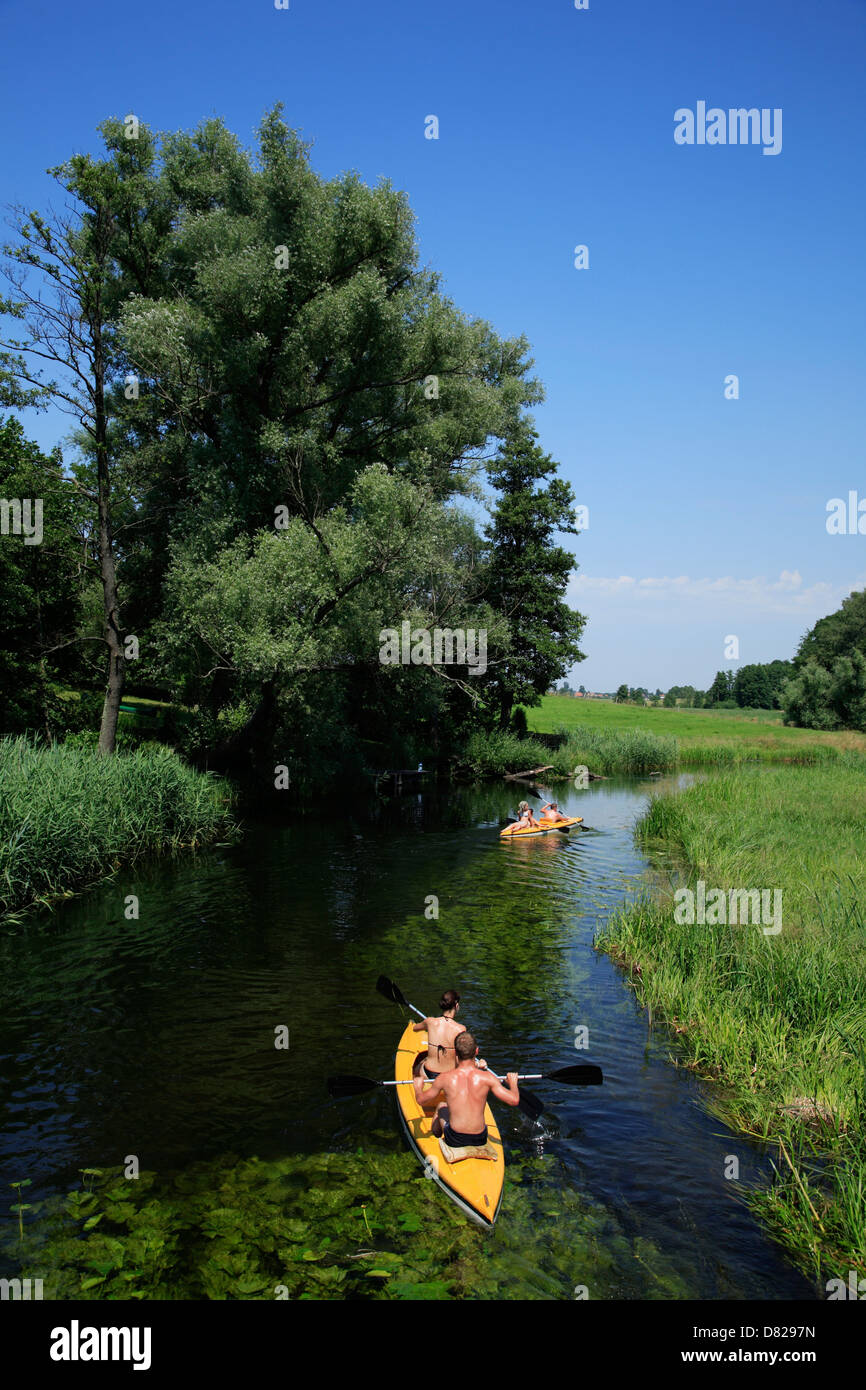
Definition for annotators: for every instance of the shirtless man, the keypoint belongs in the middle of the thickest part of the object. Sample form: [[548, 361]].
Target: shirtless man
[[466, 1091], [550, 811]]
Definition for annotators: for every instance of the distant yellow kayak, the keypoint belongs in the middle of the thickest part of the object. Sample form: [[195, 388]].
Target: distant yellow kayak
[[543, 828], [475, 1184]]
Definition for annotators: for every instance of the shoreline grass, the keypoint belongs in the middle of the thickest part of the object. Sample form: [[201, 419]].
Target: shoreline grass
[[605, 752], [69, 817], [778, 1021]]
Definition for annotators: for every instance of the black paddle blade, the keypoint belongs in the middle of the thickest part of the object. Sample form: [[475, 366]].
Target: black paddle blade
[[530, 1105], [390, 991], [576, 1076], [350, 1085]]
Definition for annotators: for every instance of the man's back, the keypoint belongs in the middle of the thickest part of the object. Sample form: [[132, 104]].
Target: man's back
[[466, 1090]]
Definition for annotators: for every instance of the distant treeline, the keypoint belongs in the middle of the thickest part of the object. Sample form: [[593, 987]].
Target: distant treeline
[[823, 687]]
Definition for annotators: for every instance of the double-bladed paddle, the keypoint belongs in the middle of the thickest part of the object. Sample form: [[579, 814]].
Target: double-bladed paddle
[[585, 1075]]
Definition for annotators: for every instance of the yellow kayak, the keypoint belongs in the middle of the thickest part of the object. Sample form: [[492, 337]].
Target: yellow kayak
[[475, 1184], [544, 828]]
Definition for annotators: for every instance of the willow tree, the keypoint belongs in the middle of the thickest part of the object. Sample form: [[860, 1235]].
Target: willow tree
[[295, 344]]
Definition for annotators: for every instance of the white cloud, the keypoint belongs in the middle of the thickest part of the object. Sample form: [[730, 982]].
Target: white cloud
[[786, 594]]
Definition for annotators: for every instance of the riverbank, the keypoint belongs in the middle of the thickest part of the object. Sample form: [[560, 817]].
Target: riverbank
[[69, 817], [777, 1018]]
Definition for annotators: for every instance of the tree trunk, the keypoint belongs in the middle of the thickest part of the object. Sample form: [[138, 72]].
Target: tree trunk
[[504, 709], [116, 658]]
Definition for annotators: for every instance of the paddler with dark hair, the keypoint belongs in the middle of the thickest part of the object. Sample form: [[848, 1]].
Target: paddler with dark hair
[[441, 1033], [551, 812], [466, 1090]]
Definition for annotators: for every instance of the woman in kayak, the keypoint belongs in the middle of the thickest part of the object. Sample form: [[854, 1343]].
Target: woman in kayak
[[441, 1055], [441, 1033], [525, 819]]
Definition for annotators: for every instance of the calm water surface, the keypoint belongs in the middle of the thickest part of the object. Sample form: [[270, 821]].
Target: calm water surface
[[156, 1037]]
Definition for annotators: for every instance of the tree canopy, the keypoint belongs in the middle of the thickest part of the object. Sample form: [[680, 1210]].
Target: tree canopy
[[284, 419]]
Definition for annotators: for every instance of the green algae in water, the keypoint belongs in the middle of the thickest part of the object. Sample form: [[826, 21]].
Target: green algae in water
[[329, 1227]]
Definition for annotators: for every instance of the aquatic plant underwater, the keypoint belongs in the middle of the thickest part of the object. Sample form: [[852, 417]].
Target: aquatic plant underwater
[[341, 1226]]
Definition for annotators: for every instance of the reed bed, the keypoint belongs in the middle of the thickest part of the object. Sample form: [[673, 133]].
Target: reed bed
[[493, 753], [68, 817], [611, 751], [778, 1020], [603, 751]]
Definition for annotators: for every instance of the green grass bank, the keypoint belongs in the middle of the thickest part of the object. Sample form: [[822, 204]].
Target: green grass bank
[[778, 1020], [69, 817]]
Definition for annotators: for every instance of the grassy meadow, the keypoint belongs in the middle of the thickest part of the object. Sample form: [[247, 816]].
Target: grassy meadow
[[778, 1020], [705, 738]]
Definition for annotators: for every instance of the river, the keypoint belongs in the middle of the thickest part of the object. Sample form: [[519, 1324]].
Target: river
[[155, 1036]]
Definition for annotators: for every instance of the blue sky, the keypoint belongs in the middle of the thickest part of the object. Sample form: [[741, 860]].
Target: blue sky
[[706, 515]]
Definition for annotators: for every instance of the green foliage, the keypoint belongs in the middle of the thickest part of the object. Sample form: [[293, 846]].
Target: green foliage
[[837, 635], [818, 698], [490, 753], [292, 342], [294, 360], [68, 816], [40, 591], [721, 692], [278, 640], [759, 686]]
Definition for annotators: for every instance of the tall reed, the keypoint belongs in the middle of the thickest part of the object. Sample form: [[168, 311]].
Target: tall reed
[[68, 816]]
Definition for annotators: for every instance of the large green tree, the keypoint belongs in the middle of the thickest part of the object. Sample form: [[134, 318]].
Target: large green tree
[[527, 573], [297, 341], [247, 345]]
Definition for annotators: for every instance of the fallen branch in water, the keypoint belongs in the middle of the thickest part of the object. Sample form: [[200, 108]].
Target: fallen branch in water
[[530, 772]]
